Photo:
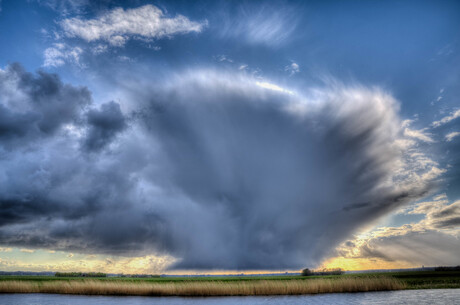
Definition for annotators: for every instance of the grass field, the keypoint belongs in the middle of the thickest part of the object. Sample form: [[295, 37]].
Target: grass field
[[212, 286]]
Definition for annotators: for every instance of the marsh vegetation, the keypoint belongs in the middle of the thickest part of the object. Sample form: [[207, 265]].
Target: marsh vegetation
[[204, 288], [231, 285]]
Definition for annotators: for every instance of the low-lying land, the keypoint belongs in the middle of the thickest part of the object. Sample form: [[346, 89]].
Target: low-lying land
[[203, 288], [230, 286]]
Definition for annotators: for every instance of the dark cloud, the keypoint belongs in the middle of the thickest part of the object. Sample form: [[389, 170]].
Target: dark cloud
[[281, 182], [104, 124], [450, 210], [14, 125], [47, 185], [452, 222], [217, 170], [36, 106], [448, 217]]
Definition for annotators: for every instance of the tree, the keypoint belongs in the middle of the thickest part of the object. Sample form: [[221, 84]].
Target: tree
[[306, 272]]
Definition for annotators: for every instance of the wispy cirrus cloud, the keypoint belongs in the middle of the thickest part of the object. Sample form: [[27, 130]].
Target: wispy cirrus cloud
[[454, 115], [418, 134], [266, 25], [65, 7], [119, 25], [451, 135]]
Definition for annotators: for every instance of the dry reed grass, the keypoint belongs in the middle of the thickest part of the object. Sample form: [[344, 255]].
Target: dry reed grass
[[204, 288]]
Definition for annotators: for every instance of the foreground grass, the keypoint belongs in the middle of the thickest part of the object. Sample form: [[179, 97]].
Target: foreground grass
[[232, 285], [204, 288]]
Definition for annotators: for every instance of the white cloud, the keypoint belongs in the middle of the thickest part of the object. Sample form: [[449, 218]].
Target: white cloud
[[418, 134], [292, 69], [447, 119], [155, 48], [118, 25], [99, 49], [446, 50], [407, 122], [223, 57], [274, 87], [61, 53], [452, 135], [439, 215], [124, 58], [440, 197], [427, 206]]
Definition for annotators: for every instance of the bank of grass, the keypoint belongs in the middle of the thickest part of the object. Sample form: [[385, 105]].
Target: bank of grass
[[232, 285], [204, 288]]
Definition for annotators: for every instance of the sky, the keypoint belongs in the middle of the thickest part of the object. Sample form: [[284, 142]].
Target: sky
[[215, 136]]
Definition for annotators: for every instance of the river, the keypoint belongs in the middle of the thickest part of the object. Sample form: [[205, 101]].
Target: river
[[419, 297]]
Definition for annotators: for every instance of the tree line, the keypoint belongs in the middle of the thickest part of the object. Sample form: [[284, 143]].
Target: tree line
[[80, 274], [335, 271]]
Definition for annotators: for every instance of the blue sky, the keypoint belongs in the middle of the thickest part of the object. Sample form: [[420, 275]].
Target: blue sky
[[325, 106]]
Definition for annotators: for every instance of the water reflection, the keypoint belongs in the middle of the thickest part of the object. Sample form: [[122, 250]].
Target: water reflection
[[419, 297]]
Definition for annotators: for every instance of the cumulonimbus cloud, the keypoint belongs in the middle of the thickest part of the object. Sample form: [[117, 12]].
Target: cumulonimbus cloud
[[217, 170]]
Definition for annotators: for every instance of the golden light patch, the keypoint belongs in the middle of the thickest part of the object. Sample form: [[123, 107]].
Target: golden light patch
[[363, 264]]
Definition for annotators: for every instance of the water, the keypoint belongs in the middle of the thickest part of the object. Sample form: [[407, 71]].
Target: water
[[419, 297]]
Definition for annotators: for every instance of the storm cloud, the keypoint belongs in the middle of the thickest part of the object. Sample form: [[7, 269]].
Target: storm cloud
[[217, 169], [104, 124], [36, 106]]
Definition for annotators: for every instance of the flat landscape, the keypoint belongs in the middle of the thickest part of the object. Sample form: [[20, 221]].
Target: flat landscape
[[231, 285], [259, 152]]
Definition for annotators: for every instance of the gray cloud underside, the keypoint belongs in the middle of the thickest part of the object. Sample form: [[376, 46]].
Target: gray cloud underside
[[212, 168], [432, 248]]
